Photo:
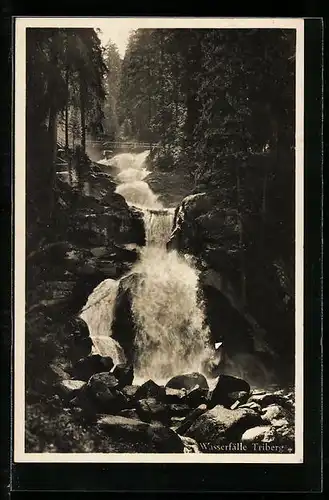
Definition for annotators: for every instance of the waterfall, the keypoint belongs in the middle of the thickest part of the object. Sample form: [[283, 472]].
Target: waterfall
[[158, 225], [138, 193], [172, 337], [172, 334]]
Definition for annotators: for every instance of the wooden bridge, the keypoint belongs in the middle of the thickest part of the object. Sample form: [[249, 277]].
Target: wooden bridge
[[115, 145]]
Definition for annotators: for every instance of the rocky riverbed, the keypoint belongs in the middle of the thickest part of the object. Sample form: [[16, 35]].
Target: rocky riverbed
[[80, 399]]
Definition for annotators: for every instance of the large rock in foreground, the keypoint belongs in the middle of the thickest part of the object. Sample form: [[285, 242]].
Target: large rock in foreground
[[188, 381], [152, 438], [86, 367], [221, 423], [152, 410], [124, 374], [150, 390], [103, 389], [124, 329], [228, 390]]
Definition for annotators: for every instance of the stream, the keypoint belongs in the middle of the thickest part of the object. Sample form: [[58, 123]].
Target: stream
[[172, 334]]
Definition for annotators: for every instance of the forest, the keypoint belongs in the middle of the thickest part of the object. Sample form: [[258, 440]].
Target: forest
[[217, 110], [219, 105]]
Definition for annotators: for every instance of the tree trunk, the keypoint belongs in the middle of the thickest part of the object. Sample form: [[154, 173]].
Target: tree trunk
[[67, 111], [149, 102], [193, 67], [52, 131], [162, 96], [176, 89], [83, 114]]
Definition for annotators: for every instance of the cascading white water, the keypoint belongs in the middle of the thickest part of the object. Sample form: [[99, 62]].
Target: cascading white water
[[158, 225], [138, 193], [132, 174], [172, 337]]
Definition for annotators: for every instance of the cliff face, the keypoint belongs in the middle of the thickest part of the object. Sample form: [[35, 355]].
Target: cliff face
[[248, 323], [84, 245]]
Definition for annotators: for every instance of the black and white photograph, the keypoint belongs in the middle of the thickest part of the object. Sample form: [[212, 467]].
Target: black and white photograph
[[158, 240]]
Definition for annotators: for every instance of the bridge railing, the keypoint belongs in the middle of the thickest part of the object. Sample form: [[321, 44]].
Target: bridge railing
[[118, 144]]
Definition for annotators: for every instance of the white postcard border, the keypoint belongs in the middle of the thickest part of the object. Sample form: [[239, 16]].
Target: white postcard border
[[21, 23]]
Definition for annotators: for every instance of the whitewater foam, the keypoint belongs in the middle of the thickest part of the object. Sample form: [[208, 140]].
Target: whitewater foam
[[172, 334]]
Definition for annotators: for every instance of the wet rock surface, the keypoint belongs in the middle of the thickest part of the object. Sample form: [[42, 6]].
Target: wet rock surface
[[104, 391], [206, 228], [124, 374], [86, 367], [151, 438], [69, 388], [124, 329], [188, 381], [151, 409], [221, 422], [228, 390], [150, 389]]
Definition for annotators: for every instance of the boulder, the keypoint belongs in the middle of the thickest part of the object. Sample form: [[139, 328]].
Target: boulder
[[190, 445], [280, 422], [129, 413], [150, 390], [112, 261], [178, 410], [184, 425], [104, 391], [188, 381], [184, 234], [252, 406], [258, 392], [80, 348], [118, 426], [220, 422], [84, 406], [274, 412], [196, 396], [152, 438], [271, 399], [150, 410], [124, 329], [130, 392], [137, 227], [238, 398], [174, 395], [124, 374], [164, 439], [285, 432], [69, 388], [175, 422], [261, 433], [86, 367], [103, 379], [58, 372], [228, 390]]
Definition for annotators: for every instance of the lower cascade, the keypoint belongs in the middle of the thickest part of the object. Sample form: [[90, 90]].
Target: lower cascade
[[172, 336]]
